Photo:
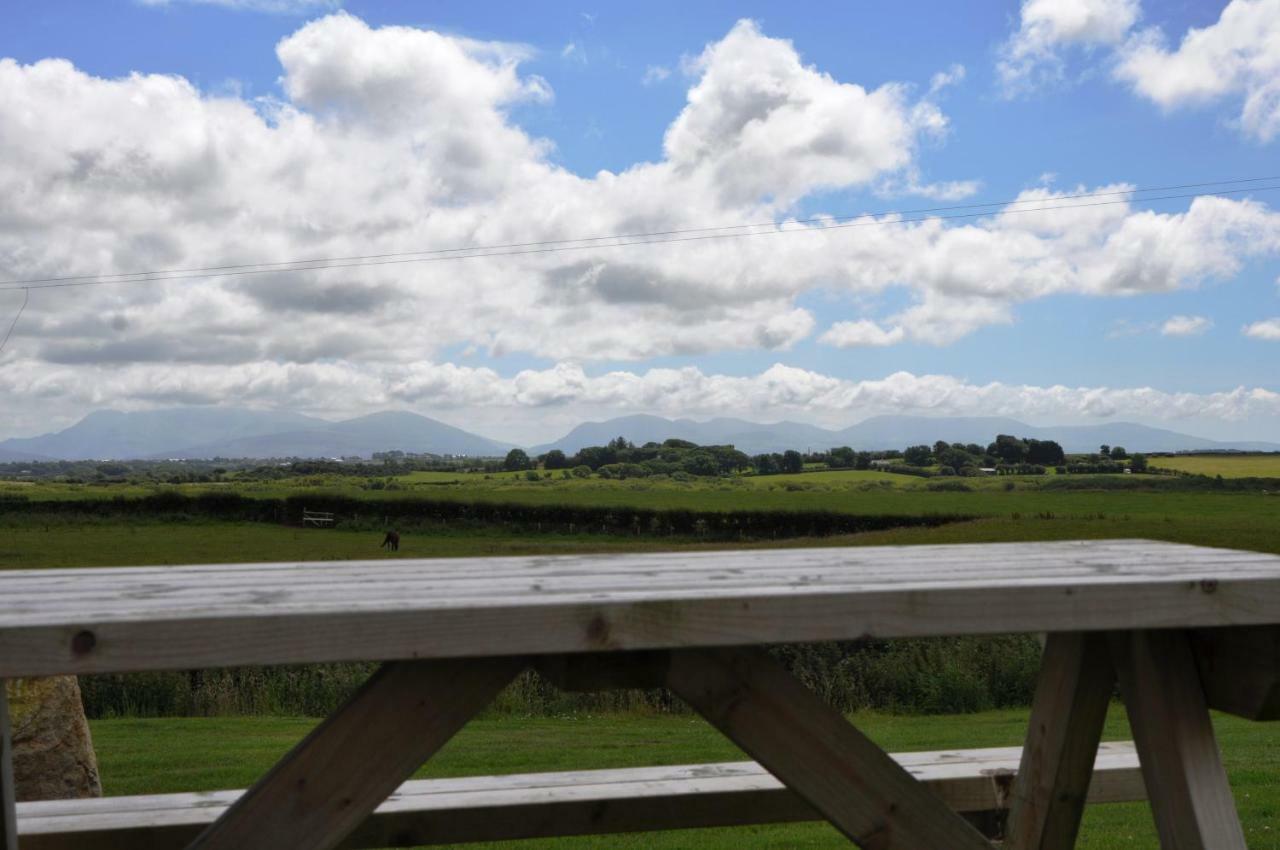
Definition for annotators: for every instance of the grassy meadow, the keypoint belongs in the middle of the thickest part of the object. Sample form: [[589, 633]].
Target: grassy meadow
[[161, 754], [1226, 465], [184, 754]]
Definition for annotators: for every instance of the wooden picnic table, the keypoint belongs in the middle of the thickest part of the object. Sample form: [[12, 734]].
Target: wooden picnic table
[[1181, 628]]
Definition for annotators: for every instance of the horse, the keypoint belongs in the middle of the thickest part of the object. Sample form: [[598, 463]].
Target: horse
[[391, 541]]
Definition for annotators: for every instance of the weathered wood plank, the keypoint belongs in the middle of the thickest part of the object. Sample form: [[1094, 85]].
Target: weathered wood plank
[[494, 808], [182, 618], [8, 812], [815, 752], [330, 783], [1240, 670], [1181, 764], [1067, 715]]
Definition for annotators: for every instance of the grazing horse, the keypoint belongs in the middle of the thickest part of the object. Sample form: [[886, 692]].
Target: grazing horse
[[391, 541]]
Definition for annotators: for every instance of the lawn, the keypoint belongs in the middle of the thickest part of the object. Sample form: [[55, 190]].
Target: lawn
[[1226, 465], [140, 756]]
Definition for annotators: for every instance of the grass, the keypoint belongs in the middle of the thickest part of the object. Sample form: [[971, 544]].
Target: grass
[[1230, 520], [189, 754], [1226, 465]]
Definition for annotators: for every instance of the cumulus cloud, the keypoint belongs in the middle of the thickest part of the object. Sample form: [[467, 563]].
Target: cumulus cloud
[[860, 333], [1033, 53], [1267, 329], [398, 139], [1185, 326], [470, 394], [1238, 56]]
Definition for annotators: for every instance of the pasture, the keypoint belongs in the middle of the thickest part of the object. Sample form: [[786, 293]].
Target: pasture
[[139, 756], [159, 754], [1226, 465]]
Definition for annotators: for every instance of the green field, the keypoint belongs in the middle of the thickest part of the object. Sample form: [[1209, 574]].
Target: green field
[[1226, 465], [185, 754], [172, 753]]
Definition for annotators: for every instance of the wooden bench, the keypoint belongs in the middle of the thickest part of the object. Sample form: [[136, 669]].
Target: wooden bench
[[538, 805], [1180, 630]]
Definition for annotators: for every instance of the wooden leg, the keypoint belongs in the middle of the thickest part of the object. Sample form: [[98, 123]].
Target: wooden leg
[[331, 781], [1067, 714], [8, 810], [815, 752], [1181, 764]]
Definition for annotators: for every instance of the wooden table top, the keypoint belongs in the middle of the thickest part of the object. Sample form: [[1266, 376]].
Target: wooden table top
[[152, 618]]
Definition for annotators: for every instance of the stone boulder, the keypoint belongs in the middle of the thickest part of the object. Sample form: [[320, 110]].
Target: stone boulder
[[53, 756]]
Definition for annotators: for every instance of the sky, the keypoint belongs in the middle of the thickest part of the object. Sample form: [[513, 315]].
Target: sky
[[954, 209]]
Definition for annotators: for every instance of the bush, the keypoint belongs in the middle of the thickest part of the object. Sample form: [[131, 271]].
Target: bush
[[582, 471], [532, 475]]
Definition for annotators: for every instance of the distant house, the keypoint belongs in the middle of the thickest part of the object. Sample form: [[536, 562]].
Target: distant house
[[987, 470], [881, 463]]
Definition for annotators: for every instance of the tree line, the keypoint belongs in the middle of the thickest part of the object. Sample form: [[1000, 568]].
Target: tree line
[[1007, 454]]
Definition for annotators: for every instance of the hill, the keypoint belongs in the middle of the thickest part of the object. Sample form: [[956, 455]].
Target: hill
[[226, 432], [886, 432]]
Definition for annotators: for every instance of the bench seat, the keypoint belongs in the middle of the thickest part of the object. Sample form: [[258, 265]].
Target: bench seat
[[492, 808]]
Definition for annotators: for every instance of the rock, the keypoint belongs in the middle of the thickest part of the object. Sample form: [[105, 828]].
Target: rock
[[53, 756]]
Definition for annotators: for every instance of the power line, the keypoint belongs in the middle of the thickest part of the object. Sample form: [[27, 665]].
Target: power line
[[663, 238], [26, 295], [308, 263]]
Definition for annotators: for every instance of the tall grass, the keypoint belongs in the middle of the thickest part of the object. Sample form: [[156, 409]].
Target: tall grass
[[926, 676]]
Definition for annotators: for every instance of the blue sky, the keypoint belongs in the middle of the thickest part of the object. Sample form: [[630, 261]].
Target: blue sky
[[1081, 113]]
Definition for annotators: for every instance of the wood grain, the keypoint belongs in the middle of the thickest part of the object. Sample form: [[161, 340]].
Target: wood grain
[[8, 812], [815, 752], [1067, 715], [1181, 763], [135, 618], [339, 774], [584, 802]]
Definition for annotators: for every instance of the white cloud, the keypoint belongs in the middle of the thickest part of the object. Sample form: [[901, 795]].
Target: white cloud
[[480, 398], [655, 74], [574, 52], [1032, 55], [277, 7], [763, 125], [397, 139], [1185, 326], [1268, 329], [953, 76], [1238, 56], [860, 333]]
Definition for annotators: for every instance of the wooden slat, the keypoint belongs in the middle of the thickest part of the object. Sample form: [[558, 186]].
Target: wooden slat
[[496, 808], [815, 752], [1067, 716], [1240, 670], [1181, 764], [106, 620], [335, 778], [8, 816]]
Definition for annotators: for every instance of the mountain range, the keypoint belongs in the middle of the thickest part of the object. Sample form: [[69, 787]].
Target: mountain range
[[231, 433]]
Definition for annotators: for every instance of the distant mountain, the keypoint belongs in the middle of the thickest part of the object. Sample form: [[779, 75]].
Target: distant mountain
[[206, 432], [12, 456], [111, 434], [217, 432], [377, 432], [886, 432]]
